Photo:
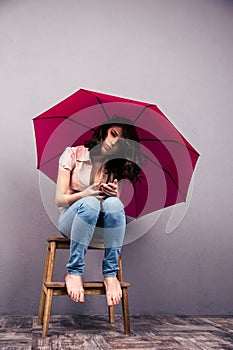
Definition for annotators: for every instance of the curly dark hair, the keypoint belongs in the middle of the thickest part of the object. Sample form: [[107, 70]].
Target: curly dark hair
[[127, 161]]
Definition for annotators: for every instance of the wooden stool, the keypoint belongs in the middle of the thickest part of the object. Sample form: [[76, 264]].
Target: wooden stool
[[51, 288]]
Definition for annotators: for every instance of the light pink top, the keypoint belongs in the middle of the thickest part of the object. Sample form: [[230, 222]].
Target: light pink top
[[78, 162]]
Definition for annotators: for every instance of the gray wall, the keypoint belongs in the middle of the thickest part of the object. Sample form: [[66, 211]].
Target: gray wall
[[175, 53]]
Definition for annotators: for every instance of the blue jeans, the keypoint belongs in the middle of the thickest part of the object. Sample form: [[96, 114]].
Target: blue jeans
[[79, 221]]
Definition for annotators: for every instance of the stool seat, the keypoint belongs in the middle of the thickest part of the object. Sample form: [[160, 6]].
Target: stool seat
[[52, 288]]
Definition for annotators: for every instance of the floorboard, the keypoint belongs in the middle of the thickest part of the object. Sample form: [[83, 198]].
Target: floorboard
[[162, 332]]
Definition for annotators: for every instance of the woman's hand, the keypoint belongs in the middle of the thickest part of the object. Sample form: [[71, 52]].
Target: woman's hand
[[110, 189], [92, 190]]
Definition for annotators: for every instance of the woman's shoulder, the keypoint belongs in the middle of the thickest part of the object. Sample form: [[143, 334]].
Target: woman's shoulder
[[81, 152]]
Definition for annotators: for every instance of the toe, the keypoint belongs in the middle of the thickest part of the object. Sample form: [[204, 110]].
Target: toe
[[81, 297], [110, 301], [73, 296]]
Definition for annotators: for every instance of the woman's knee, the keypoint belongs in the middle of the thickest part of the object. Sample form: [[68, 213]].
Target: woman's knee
[[87, 204], [92, 202], [114, 219], [113, 205]]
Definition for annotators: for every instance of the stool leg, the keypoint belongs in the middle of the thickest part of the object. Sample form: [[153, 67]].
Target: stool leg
[[47, 311], [111, 313], [42, 297], [125, 310], [51, 261], [48, 274]]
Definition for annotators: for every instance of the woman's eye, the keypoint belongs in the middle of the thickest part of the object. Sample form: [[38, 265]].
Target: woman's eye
[[113, 133]]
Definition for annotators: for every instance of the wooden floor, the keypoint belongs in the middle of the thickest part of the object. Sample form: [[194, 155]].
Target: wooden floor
[[94, 332]]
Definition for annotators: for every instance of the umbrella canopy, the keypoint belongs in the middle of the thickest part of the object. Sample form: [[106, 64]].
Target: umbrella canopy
[[169, 158]]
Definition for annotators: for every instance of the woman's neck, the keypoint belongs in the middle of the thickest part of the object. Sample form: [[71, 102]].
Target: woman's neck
[[97, 159]]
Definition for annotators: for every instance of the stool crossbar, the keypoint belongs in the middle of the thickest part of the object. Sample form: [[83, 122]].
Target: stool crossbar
[[51, 288]]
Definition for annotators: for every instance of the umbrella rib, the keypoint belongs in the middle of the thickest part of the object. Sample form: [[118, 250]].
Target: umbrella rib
[[100, 102], [81, 124], [167, 172], [152, 105], [148, 106], [167, 140], [142, 111], [72, 120], [50, 159]]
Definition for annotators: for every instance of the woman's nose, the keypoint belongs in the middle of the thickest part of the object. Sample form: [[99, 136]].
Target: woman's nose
[[113, 141]]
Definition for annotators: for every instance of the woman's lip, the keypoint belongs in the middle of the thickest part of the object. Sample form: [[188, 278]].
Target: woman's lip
[[107, 146]]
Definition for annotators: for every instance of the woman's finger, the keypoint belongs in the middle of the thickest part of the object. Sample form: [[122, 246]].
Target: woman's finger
[[110, 192], [110, 187]]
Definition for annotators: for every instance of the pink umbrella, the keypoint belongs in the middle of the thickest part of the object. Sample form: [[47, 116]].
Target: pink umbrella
[[169, 158]]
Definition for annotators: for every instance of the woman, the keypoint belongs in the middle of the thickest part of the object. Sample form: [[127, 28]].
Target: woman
[[88, 194]]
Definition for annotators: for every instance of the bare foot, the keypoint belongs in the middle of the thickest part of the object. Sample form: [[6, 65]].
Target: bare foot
[[74, 287], [113, 290]]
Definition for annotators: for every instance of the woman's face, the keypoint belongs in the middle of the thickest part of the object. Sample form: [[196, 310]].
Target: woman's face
[[109, 145]]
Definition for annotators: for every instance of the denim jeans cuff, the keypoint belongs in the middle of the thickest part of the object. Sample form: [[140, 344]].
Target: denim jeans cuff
[[110, 274], [76, 273]]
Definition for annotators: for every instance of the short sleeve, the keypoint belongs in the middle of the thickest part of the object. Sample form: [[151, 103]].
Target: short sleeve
[[67, 159]]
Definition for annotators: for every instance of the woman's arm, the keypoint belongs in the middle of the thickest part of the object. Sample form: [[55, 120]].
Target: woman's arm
[[63, 199]]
